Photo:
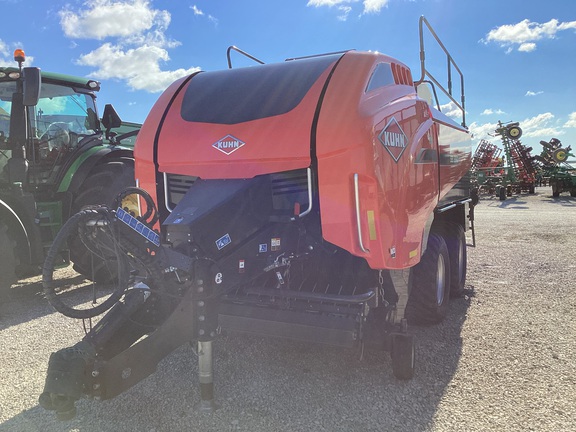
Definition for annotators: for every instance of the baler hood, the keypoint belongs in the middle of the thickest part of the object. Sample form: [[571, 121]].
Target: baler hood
[[258, 119]]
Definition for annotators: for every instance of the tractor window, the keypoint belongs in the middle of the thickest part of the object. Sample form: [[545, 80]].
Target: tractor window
[[6, 91], [63, 106], [381, 77], [60, 105]]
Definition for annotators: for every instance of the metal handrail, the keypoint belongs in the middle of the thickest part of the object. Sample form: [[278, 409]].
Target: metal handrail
[[451, 64], [232, 47], [358, 221], [309, 209], [166, 193]]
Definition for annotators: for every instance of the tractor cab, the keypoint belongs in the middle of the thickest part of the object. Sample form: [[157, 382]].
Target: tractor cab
[[43, 120]]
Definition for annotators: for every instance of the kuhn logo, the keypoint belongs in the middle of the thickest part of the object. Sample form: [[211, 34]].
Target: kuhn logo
[[228, 144], [393, 139]]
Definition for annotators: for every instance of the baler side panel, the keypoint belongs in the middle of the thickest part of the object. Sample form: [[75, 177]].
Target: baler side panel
[[386, 137]]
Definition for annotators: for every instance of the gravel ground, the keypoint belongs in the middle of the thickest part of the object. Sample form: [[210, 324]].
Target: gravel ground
[[502, 361]]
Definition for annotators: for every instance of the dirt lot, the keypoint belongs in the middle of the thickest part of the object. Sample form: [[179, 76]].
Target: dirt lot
[[504, 360]]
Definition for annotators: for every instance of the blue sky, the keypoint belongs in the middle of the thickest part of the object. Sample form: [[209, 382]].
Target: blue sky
[[518, 56]]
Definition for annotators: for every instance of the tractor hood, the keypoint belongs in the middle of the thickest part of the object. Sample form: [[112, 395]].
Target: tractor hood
[[239, 123]]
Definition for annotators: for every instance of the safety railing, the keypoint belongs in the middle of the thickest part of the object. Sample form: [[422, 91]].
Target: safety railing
[[451, 66]]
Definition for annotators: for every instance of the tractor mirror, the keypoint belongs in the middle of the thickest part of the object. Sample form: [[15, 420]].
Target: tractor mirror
[[32, 83], [110, 118]]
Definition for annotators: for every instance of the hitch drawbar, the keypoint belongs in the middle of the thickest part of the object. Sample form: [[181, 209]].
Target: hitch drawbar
[[86, 368]]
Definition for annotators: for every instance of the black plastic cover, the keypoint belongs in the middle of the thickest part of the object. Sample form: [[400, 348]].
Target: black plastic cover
[[239, 95]]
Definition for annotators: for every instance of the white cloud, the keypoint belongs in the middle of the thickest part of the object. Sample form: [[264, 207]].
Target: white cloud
[[527, 47], [196, 10], [524, 34], [490, 111], [370, 6], [5, 59], [571, 123], [139, 41], [199, 12], [345, 12], [482, 131], [139, 67], [540, 126], [374, 6], [451, 110], [100, 19], [531, 93]]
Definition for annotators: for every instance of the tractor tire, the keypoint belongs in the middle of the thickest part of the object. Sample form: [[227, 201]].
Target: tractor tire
[[429, 298], [8, 260], [455, 239], [102, 185], [555, 190], [573, 192], [403, 356]]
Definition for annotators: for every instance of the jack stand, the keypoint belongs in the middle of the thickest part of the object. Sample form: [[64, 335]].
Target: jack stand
[[206, 376]]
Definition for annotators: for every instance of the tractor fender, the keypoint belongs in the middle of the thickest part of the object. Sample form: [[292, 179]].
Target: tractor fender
[[80, 169], [19, 230]]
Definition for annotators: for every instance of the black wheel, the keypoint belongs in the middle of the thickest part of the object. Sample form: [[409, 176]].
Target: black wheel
[[555, 190], [455, 239], [71, 295], [430, 295], [8, 259], [101, 187], [560, 155], [403, 356], [531, 189], [573, 192], [502, 193], [514, 132]]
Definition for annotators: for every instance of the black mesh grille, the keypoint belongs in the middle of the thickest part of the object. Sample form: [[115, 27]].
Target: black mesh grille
[[178, 185]]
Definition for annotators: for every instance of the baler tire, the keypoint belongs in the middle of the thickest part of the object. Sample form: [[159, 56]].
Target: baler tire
[[8, 260], [60, 244], [403, 356], [102, 186], [455, 239], [430, 295]]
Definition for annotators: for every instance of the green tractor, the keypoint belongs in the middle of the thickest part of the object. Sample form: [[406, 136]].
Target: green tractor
[[56, 158]]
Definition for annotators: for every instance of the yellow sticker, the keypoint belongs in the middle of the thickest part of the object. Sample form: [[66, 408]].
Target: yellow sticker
[[371, 224]]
